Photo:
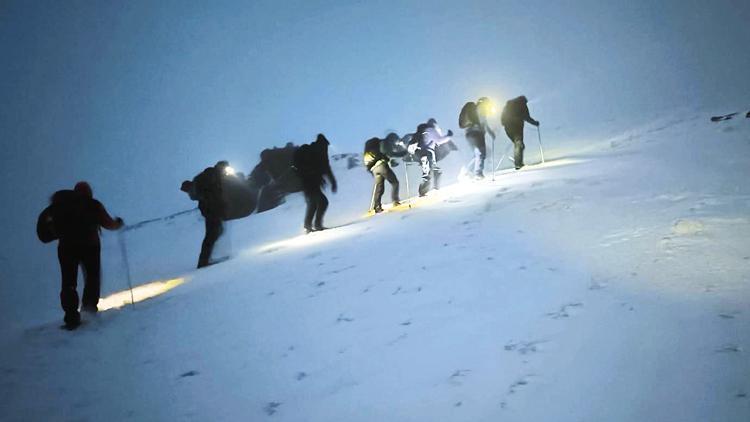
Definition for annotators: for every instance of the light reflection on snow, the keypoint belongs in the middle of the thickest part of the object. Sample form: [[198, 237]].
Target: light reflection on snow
[[140, 293], [314, 238]]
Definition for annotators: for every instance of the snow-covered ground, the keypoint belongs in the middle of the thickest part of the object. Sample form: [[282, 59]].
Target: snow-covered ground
[[611, 283]]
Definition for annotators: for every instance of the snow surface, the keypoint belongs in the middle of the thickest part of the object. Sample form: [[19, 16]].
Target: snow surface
[[611, 283]]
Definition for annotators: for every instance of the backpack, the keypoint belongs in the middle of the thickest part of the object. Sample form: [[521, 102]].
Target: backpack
[[372, 152], [45, 226], [69, 213], [468, 116], [507, 114], [305, 160]]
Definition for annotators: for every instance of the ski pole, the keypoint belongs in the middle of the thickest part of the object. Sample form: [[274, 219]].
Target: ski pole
[[505, 154], [493, 158], [539, 136], [124, 251], [406, 174]]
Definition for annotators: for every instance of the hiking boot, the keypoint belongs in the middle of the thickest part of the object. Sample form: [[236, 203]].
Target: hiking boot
[[378, 210], [72, 321], [91, 309]]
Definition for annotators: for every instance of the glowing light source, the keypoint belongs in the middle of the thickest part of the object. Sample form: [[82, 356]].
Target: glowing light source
[[486, 107], [229, 171], [140, 293]]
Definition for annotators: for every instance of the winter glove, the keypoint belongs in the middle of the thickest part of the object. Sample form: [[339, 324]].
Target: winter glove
[[536, 123], [119, 223], [450, 132], [411, 149]]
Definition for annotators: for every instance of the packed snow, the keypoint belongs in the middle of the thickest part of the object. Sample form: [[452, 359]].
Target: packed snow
[[611, 283]]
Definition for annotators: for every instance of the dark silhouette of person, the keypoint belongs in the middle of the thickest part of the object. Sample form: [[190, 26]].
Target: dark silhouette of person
[[515, 112], [77, 219], [427, 139], [377, 162], [311, 164], [473, 119], [207, 189]]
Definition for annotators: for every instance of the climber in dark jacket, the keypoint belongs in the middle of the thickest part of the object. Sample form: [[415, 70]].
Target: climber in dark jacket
[[514, 114], [207, 188], [311, 165], [378, 163], [77, 219]]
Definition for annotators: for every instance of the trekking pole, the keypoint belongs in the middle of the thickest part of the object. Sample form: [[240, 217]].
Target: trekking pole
[[539, 136], [505, 154], [406, 174], [493, 158], [124, 251], [372, 199]]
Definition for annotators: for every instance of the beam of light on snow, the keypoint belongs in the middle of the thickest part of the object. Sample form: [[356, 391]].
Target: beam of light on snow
[[411, 203], [314, 238], [140, 293]]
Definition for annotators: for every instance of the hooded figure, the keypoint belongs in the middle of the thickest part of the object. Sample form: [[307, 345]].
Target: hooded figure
[[514, 114], [311, 165], [76, 218]]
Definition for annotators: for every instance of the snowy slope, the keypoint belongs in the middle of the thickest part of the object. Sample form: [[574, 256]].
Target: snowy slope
[[611, 283]]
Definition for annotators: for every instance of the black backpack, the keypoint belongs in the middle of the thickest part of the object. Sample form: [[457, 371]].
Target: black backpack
[[306, 161], [468, 116], [372, 153], [68, 213]]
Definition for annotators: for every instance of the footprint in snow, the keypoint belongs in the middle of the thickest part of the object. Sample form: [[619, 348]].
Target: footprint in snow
[[524, 347], [597, 285], [457, 375], [564, 311], [401, 337], [339, 270], [729, 348], [516, 385], [729, 315], [342, 318], [271, 407], [189, 374]]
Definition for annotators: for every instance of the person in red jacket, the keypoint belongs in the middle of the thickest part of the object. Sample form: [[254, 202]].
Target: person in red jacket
[[78, 219]]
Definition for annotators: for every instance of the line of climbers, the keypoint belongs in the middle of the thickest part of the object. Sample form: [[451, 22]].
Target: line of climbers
[[75, 218]]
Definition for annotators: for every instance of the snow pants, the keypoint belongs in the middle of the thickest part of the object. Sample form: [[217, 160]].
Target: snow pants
[[317, 204], [477, 142], [382, 172], [515, 134], [214, 229], [71, 256], [430, 173]]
